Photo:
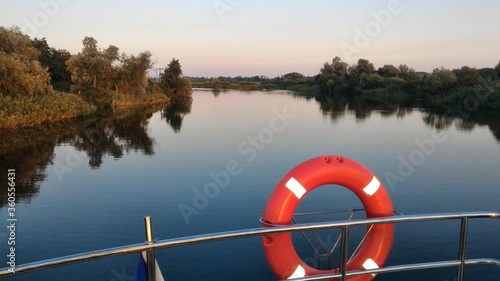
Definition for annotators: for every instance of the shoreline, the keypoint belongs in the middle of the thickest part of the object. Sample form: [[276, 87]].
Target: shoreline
[[32, 112]]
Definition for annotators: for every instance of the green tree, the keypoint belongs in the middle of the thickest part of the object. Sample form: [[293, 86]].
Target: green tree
[[184, 88], [55, 61], [216, 83], [294, 77], [44, 51], [441, 79], [497, 69], [131, 75], [172, 73], [408, 74], [334, 74], [359, 75], [488, 73], [370, 81], [290, 80], [173, 81], [388, 71], [59, 73], [92, 66], [468, 76], [363, 66], [21, 72]]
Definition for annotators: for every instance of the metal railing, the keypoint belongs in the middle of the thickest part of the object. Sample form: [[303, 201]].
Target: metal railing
[[151, 245]]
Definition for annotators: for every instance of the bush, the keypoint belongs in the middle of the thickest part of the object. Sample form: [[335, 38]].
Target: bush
[[269, 86], [153, 95], [481, 96], [101, 100]]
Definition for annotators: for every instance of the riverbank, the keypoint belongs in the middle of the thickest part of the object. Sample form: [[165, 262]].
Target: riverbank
[[58, 106], [292, 81]]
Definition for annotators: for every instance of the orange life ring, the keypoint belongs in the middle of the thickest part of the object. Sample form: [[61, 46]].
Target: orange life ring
[[302, 179]]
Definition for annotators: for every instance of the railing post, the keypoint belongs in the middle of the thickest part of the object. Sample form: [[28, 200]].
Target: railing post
[[343, 252], [150, 254], [463, 246]]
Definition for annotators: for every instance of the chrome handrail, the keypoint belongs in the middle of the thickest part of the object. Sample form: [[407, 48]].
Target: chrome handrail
[[344, 225]]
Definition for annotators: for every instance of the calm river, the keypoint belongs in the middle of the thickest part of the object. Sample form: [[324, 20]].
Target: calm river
[[87, 186]]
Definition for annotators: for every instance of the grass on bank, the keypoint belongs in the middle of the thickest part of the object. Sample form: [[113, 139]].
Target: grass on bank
[[32, 111], [110, 100], [58, 106], [121, 100]]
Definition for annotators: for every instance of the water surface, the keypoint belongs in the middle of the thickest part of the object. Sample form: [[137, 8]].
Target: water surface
[[88, 185]]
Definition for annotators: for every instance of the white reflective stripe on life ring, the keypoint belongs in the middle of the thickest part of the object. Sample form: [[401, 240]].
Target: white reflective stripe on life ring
[[370, 264], [372, 187], [299, 272], [296, 187]]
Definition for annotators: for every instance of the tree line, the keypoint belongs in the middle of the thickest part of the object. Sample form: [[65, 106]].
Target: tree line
[[35, 74], [441, 87], [34, 68], [338, 76], [107, 69], [291, 81]]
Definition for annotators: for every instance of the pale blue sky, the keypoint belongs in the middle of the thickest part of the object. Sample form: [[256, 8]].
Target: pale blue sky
[[257, 37]]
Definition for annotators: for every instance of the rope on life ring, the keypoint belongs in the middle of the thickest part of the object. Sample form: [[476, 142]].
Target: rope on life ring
[[304, 178]]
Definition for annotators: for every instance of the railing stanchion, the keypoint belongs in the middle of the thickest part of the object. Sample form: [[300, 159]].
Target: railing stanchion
[[343, 252], [463, 246], [150, 254]]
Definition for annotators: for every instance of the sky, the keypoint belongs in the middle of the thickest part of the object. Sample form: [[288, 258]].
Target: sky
[[274, 37]]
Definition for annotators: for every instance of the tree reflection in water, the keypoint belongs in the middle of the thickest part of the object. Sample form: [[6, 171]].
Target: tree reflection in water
[[443, 120], [121, 133], [31, 150], [362, 107], [174, 113], [338, 106]]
